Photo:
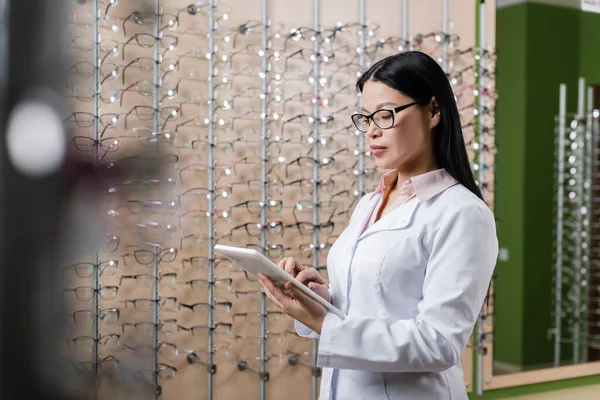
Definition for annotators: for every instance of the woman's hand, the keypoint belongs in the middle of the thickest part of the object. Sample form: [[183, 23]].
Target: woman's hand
[[295, 303], [308, 276]]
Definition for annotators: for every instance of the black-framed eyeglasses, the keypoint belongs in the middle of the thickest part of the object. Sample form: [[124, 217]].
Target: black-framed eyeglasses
[[165, 326], [384, 118]]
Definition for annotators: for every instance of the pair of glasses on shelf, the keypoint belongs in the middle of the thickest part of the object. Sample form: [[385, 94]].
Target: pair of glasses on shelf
[[437, 38], [88, 19], [109, 341], [299, 59], [387, 46], [148, 281], [249, 318], [459, 77], [201, 171], [147, 328], [113, 365], [144, 305], [86, 70], [86, 317], [330, 98], [166, 21], [246, 164], [277, 228], [218, 307], [204, 262], [195, 240], [199, 100], [86, 270], [162, 371], [220, 328], [147, 257], [221, 146], [307, 250], [474, 53], [147, 88], [219, 354], [146, 113], [109, 363], [164, 349], [272, 251], [197, 216], [255, 229], [86, 120], [111, 47], [301, 33], [87, 144], [201, 144], [86, 44], [146, 41], [255, 207], [306, 185], [307, 207], [147, 135], [307, 121], [87, 94], [144, 207], [307, 163], [330, 35], [202, 284], [307, 228], [86, 293], [276, 337], [148, 64]]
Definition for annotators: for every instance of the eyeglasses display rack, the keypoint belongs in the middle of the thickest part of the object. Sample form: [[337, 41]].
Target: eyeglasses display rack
[[574, 328], [96, 133], [240, 129], [480, 168]]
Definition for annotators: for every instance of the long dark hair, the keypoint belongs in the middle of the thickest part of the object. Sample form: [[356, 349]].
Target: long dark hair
[[420, 77]]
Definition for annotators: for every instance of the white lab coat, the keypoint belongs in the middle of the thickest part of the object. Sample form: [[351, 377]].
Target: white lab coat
[[412, 287]]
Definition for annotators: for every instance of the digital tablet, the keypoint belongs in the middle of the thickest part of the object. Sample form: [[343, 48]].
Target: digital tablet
[[255, 263]]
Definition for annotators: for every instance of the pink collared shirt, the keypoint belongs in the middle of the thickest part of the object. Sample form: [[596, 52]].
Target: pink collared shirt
[[423, 187]]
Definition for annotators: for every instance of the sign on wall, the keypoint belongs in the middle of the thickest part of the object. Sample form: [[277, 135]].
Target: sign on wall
[[590, 5]]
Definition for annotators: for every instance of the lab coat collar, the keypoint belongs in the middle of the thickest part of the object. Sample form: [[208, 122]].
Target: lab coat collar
[[424, 186], [399, 218], [396, 219]]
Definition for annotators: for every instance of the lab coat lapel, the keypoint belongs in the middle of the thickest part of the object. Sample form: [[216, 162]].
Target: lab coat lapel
[[362, 219], [399, 218], [349, 245]]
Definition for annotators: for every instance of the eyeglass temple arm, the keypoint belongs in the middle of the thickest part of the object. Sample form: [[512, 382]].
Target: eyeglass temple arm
[[125, 44]]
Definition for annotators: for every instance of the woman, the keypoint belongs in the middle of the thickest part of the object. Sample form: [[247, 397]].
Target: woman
[[412, 269]]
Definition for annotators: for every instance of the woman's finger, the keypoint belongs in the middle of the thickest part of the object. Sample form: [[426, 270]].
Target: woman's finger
[[290, 267], [310, 275], [270, 296], [311, 306], [281, 263], [277, 293], [273, 300], [301, 297]]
